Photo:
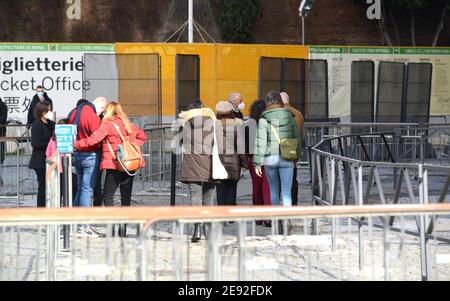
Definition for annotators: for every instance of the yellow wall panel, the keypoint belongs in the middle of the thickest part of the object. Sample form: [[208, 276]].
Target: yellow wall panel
[[224, 68]]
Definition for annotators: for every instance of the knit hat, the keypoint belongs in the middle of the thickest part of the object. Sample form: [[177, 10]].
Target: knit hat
[[224, 107]]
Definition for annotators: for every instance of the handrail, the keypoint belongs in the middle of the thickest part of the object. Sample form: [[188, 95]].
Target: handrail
[[151, 215], [316, 149]]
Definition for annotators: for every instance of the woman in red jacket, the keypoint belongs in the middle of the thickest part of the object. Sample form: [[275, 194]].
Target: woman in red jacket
[[107, 134]]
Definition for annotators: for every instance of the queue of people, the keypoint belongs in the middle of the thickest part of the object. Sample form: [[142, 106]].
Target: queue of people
[[270, 151], [97, 147], [217, 147]]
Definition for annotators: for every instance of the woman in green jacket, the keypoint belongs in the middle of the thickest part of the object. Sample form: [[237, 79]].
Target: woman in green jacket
[[267, 153]]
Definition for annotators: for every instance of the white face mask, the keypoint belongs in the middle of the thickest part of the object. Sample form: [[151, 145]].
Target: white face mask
[[49, 116], [99, 109], [241, 106]]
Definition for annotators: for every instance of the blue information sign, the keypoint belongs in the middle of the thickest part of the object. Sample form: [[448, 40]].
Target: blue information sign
[[65, 138]]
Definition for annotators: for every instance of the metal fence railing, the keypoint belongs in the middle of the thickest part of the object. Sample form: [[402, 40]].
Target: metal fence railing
[[363, 169], [413, 142], [409, 143], [17, 182], [159, 246]]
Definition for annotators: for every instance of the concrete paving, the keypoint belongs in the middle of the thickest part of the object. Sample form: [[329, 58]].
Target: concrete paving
[[265, 255]]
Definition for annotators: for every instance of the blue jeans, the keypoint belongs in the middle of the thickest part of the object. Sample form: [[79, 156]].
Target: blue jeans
[[87, 166], [279, 171]]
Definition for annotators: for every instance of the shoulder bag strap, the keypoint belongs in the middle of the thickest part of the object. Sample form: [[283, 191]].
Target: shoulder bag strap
[[118, 131], [111, 150], [109, 144], [274, 131]]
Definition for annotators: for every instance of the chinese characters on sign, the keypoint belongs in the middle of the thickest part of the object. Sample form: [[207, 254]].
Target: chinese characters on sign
[[16, 104]]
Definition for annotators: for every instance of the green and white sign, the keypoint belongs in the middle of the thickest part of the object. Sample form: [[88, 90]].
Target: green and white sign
[[56, 67], [339, 69]]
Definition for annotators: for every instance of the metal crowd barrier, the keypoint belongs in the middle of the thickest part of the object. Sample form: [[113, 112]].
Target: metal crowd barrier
[[365, 169], [161, 249], [413, 143], [17, 181]]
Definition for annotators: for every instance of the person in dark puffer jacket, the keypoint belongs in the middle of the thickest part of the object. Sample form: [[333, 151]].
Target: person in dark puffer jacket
[[230, 138], [196, 169]]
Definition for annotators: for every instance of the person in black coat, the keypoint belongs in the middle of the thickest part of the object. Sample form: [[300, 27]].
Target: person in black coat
[[42, 131], [3, 120], [41, 95]]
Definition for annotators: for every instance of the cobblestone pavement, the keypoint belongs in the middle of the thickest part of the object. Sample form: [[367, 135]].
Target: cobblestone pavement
[[267, 256]]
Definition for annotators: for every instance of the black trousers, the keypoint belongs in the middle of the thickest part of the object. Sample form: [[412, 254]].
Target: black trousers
[[40, 173], [226, 193], [116, 179], [98, 191], [295, 188], [2, 151]]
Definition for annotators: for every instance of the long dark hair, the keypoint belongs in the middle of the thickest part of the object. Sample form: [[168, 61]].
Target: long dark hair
[[257, 109], [41, 109]]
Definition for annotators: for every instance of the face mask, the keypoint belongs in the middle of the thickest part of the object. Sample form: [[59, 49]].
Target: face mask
[[241, 106], [99, 110], [49, 115], [40, 94]]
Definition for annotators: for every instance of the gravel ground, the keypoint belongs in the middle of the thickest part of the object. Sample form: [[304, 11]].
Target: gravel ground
[[266, 256]]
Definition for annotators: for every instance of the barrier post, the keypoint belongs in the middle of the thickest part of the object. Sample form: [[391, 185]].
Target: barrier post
[[424, 260], [65, 137], [66, 201], [173, 175], [52, 201]]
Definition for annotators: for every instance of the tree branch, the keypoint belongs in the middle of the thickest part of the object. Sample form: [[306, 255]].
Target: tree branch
[[394, 23], [440, 26], [413, 28], [383, 27]]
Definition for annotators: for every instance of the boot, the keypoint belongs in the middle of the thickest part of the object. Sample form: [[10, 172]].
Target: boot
[[267, 224], [197, 236], [280, 228], [138, 230], [204, 231], [123, 231]]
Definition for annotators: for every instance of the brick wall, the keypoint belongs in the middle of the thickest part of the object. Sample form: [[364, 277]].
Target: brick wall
[[336, 22]]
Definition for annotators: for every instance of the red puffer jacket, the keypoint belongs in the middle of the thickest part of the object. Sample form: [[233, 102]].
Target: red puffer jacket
[[107, 132]]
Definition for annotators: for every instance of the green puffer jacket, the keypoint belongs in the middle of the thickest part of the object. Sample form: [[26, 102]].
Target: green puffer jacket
[[266, 142]]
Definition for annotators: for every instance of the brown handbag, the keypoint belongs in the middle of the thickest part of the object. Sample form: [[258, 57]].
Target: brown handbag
[[130, 160]]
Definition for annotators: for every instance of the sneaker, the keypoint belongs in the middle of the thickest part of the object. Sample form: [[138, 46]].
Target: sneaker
[[96, 231], [87, 232], [93, 230]]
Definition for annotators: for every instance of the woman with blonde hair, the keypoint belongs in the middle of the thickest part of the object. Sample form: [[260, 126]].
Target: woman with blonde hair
[[114, 125]]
